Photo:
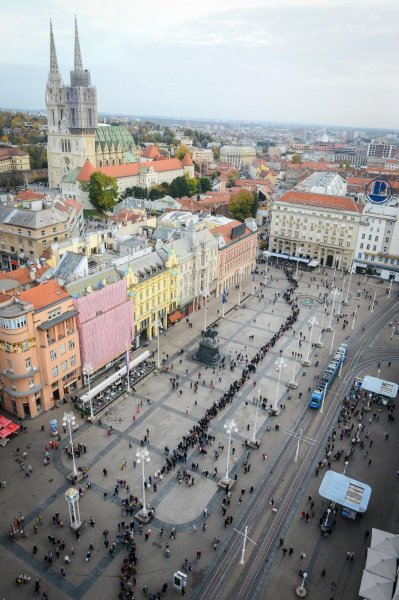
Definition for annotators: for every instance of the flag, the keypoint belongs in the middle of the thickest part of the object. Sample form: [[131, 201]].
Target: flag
[[224, 296]]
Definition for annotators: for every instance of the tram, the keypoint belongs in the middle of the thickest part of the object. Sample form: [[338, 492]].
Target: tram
[[328, 376]]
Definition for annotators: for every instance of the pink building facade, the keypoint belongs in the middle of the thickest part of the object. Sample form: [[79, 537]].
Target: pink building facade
[[105, 324]]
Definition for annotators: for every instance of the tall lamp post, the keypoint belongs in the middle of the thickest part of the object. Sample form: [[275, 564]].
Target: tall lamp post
[[87, 371], [230, 427], [254, 442], [70, 420], [143, 456], [372, 306], [239, 289], [293, 384], [205, 294], [159, 325], [319, 343], [281, 364], [312, 323], [346, 301], [334, 295], [299, 251]]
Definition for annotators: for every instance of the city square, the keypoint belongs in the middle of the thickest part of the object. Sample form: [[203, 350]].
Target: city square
[[157, 411]]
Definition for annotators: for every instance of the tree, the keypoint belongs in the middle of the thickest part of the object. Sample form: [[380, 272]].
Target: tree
[[232, 176], [296, 159], [183, 186], [205, 184], [181, 151], [103, 191], [242, 204], [155, 194], [216, 153]]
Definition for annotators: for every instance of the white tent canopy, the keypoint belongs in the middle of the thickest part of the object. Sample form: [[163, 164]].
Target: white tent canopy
[[385, 542], [381, 564], [374, 587]]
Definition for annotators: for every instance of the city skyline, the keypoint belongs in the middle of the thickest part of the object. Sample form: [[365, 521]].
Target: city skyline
[[287, 61]]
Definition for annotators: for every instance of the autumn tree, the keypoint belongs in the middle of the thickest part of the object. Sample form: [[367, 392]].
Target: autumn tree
[[181, 151], [103, 191], [242, 204], [232, 176], [296, 159]]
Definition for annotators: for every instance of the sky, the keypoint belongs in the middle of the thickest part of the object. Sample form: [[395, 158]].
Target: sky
[[332, 62]]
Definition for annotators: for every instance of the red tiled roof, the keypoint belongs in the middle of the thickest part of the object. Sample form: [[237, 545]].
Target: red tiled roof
[[29, 195], [321, 200], [225, 231], [86, 171], [4, 298], [22, 275], [131, 169], [7, 152], [44, 294], [150, 152], [186, 161]]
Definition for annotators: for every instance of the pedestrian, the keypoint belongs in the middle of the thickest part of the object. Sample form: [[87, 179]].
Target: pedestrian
[[284, 551], [366, 534], [198, 554], [291, 551], [323, 573], [281, 541], [302, 555]]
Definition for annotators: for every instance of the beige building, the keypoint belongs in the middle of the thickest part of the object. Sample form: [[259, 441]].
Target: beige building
[[240, 156], [202, 155], [13, 159], [315, 226], [28, 231]]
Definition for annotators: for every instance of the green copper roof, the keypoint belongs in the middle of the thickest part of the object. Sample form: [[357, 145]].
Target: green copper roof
[[117, 134], [70, 177]]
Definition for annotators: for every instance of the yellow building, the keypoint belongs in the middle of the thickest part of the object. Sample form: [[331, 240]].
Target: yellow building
[[13, 159], [153, 284]]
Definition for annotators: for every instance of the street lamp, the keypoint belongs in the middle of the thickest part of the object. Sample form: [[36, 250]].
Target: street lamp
[[327, 517], [143, 456], [256, 418], [319, 343], [346, 302], [346, 466], [372, 307], [230, 428], [332, 342], [281, 364], [312, 323], [239, 288], [336, 262], [159, 325], [87, 371], [389, 289], [334, 295], [205, 294], [299, 251], [293, 383], [354, 317], [70, 420]]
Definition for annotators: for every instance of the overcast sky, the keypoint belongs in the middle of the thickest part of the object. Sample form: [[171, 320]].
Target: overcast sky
[[306, 61]]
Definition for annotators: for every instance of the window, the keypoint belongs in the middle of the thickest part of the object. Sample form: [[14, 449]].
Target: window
[[25, 345], [54, 371], [62, 349], [73, 360], [54, 313], [64, 365], [13, 323], [28, 363], [53, 354], [363, 236], [71, 344], [31, 382]]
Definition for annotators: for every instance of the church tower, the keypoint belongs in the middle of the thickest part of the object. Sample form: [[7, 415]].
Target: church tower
[[71, 116]]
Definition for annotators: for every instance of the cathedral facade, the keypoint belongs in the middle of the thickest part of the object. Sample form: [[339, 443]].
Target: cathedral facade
[[74, 134]]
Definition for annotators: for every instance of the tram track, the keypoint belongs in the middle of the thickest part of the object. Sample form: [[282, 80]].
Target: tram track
[[245, 586]]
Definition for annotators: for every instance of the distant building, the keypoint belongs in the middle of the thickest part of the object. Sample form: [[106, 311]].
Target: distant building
[[39, 349], [315, 226], [240, 156], [377, 246], [324, 182], [27, 232], [13, 160], [74, 134], [378, 148], [202, 155]]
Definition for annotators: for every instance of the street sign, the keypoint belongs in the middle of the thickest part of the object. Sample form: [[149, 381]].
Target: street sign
[[378, 191]]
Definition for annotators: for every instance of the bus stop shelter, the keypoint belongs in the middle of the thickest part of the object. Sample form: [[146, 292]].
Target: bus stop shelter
[[353, 496]]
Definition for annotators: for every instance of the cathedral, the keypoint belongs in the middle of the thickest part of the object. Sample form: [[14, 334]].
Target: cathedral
[[74, 134]]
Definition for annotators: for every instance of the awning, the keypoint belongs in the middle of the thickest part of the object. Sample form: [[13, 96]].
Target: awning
[[113, 378], [345, 491], [176, 316], [381, 564], [4, 422], [10, 429], [374, 587], [385, 542], [388, 389], [66, 315]]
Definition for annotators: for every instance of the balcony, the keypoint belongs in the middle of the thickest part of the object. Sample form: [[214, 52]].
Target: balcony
[[11, 375]]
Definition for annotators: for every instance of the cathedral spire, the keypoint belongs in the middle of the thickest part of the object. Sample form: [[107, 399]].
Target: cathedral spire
[[54, 74], [78, 66]]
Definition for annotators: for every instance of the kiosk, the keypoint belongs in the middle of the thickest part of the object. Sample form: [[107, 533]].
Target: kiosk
[[350, 495]]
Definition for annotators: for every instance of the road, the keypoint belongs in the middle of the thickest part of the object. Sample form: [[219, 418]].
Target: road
[[287, 479]]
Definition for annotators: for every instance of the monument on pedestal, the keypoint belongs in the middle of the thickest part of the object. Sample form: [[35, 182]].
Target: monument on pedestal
[[208, 351]]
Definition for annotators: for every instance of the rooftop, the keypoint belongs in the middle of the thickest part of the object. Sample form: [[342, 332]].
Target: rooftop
[[321, 201], [45, 294], [130, 169]]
